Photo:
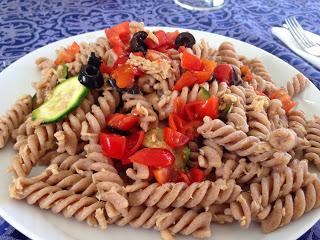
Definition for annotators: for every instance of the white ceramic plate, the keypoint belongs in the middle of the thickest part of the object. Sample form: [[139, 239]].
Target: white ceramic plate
[[40, 224]]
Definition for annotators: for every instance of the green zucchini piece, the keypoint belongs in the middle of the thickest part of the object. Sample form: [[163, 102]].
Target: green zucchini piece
[[203, 94], [65, 97], [154, 139], [182, 157], [62, 71]]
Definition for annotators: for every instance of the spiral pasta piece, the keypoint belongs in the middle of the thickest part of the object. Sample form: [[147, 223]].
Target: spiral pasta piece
[[279, 184], [297, 84], [228, 54], [292, 207], [179, 194], [44, 64], [68, 137], [240, 210], [210, 155], [277, 115], [228, 136], [59, 201], [297, 122], [241, 171], [177, 220], [261, 85], [313, 136], [14, 118], [139, 106], [36, 146], [203, 50], [95, 120], [138, 172], [259, 69]]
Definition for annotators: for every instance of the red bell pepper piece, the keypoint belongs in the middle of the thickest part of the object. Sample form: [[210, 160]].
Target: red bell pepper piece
[[207, 71], [153, 157], [191, 62], [113, 145], [186, 80], [174, 138], [122, 121]]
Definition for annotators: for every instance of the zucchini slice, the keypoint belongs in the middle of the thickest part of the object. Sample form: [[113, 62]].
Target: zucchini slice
[[65, 97], [203, 94]]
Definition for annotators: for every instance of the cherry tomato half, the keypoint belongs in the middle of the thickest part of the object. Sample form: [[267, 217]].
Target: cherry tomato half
[[113, 145], [174, 138], [153, 157], [162, 175], [122, 121]]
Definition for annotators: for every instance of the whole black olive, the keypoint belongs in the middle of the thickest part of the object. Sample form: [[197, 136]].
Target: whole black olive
[[134, 90], [90, 77], [137, 43], [117, 131], [185, 39], [94, 61]]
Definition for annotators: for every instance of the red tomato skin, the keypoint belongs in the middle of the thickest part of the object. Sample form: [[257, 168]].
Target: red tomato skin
[[122, 121], [209, 108], [134, 141], [162, 37], [153, 157], [186, 80], [183, 177], [171, 36], [223, 73], [112, 145], [150, 43], [174, 138], [196, 174], [124, 76], [191, 62], [119, 35]]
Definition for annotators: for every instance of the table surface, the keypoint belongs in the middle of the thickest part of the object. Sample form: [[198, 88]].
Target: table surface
[[26, 25]]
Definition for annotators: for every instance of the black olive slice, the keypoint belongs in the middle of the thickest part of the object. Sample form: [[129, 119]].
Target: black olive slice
[[185, 39], [90, 77], [137, 43], [94, 61]]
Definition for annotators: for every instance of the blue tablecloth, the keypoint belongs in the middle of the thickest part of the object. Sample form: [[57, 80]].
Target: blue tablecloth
[[26, 25]]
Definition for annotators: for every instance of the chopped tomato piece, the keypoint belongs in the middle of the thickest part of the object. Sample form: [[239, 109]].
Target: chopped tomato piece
[[171, 37], [104, 68], [190, 128], [140, 54], [67, 55], [134, 141], [119, 51], [246, 73], [153, 157], [191, 62], [175, 122], [196, 175], [162, 175], [122, 121], [137, 71], [162, 37], [186, 80], [181, 49], [209, 108], [124, 76], [183, 177], [285, 99], [207, 71], [150, 43], [223, 73], [74, 48], [174, 138], [119, 35], [112, 145]]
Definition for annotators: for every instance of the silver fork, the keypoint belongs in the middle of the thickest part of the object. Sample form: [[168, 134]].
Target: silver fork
[[299, 35]]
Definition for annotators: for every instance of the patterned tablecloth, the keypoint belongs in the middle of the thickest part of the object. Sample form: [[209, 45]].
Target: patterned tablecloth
[[26, 25]]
